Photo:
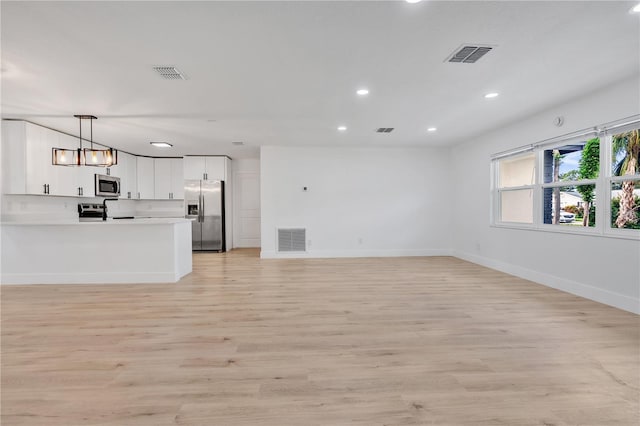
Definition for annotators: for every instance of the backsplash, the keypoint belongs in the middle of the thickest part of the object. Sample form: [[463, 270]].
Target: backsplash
[[39, 208]]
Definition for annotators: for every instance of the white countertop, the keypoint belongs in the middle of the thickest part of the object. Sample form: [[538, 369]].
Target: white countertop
[[108, 222]]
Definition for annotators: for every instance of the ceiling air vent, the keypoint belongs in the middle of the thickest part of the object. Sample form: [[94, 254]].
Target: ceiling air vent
[[292, 239], [469, 54], [384, 130], [170, 73]]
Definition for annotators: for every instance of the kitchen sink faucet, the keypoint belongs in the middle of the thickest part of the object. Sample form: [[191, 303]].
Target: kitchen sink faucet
[[104, 205]]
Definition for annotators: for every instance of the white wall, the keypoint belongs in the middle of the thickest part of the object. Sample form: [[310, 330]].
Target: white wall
[[359, 202], [600, 268]]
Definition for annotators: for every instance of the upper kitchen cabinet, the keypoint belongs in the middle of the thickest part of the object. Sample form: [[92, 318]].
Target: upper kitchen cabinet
[[72, 181], [207, 167], [26, 160], [145, 176], [126, 170], [169, 179]]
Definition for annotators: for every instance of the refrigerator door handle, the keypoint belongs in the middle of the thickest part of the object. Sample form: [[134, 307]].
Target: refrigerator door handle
[[201, 208]]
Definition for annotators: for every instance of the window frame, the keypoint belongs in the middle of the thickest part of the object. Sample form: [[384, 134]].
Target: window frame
[[543, 185], [603, 182], [498, 190]]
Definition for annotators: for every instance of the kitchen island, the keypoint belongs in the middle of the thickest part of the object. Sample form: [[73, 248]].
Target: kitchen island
[[114, 251]]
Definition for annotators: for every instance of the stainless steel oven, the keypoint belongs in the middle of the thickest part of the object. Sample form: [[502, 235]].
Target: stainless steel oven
[[107, 186]]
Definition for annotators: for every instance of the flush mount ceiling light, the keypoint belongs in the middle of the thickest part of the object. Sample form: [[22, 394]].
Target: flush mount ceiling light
[[161, 144], [636, 8], [342, 128], [413, 1], [431, 129], [362, 92], [491, 95], [87, 156]]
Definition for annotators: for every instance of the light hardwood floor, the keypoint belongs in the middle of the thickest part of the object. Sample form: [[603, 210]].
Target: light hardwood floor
[[389, 341]]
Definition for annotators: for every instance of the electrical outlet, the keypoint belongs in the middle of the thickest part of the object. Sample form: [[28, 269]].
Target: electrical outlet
[[308, 243], [360, 240]]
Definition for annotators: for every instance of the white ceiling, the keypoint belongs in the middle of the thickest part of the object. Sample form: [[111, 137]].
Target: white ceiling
[[285, 73]]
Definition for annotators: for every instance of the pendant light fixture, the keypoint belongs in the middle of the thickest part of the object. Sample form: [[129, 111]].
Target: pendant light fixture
[[87, 156]]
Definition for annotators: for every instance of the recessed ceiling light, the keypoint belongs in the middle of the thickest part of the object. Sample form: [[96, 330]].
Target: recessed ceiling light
[[491, 95], [431, 129], [413, 1], [161, 144], [342, 128], [362, 92], [237, 143]]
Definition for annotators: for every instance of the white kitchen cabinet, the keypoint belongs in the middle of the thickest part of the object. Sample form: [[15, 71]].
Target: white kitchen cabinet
[[40, 174], [169, 178], [206, 167], [26, 165], [216, 168], [69, 178], [145, 176], [177, 178], [194, 168], [13, 157], [126, 171], [87, 179]]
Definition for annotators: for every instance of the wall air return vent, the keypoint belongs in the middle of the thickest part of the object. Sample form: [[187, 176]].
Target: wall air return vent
[[170, 73], [384, 129], [469, 53], [292, 239]]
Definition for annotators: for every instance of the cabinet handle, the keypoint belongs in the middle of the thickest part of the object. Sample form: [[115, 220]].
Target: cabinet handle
[[44, 191], [204, 175], [129, 194], [138, 195]]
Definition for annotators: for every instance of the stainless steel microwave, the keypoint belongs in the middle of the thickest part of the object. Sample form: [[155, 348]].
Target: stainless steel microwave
[[107, 186]]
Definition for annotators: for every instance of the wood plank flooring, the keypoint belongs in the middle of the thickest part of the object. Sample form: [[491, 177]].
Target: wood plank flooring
[[388, 341]]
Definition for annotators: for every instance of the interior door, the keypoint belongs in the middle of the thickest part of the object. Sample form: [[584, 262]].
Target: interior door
[[246, 209]]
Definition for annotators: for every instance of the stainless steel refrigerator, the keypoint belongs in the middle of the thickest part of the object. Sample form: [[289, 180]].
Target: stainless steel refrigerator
[[204, 205]]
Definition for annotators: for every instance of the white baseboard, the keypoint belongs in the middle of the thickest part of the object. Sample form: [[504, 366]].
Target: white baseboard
[[325, 254], [600, 295], [87, 278]]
